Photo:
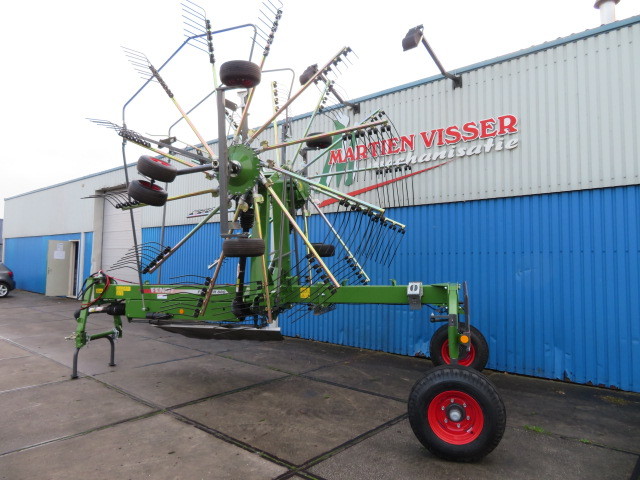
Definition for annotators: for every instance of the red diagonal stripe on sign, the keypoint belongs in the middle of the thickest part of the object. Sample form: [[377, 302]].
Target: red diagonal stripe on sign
[[331, 201]]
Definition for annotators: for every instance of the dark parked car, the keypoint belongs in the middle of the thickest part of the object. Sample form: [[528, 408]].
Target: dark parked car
[[7, 283]]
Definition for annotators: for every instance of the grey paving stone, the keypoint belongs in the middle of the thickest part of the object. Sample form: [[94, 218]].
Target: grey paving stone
[[294, 355], [381, 373], [206, 345], [46, 412], [16, 331], [8, 350], [181, 381], [20, 372], [598, 415], [295, 419], [396, 454], [158, 448], [131, 352]]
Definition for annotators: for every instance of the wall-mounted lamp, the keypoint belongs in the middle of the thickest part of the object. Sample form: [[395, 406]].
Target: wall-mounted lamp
[[411, 40]]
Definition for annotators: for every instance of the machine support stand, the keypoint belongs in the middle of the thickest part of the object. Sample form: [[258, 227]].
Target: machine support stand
[[74, 374], [112, 359]]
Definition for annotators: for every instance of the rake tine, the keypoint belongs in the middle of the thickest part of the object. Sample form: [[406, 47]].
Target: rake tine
[[191, 11], [269, 26], [134, 53], [193, 34], [268, 8], [277, 8], [262, 31], [199, 48]]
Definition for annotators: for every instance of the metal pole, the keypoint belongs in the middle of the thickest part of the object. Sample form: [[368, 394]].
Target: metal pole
[[223, 166], [344, 245], [296, 227], [184, 239]]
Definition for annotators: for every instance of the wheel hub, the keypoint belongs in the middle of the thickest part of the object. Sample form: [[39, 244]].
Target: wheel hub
[[455, 412], [246, 169], [455, 417], [466, 355]]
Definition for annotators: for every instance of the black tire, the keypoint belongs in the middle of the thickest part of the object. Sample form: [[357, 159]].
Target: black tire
[[243, 247], [320, 143], [457, 413], [4, 289], [324, 249], [147, 193], [240, 73], [475, 357], [309, 72], [156, 169]]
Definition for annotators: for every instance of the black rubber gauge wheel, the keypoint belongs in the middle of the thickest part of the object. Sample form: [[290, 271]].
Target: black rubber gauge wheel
[[475, 356], [147, 193], [156, 169], [324, 249], [320, 143], [240, 73], [243, 247], [457, 414]]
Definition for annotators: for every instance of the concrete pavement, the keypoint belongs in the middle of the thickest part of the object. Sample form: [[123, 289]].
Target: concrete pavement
[[182, 408]]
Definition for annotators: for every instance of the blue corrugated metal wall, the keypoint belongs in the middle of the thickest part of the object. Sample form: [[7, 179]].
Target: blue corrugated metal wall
[[189, 263], [27, 257], [554, 283]]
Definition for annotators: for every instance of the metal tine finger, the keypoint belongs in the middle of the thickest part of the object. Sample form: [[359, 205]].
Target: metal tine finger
[[190, 34], [139, 61], [261, 34], [131, 53], [262, 17], [279, 8], [188, 23], [273, 10], [254, 39], [113, 204], [192, 11], [105, 123], [198, 48]]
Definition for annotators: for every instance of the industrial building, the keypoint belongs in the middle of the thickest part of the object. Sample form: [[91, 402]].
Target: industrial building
[[530, 193]]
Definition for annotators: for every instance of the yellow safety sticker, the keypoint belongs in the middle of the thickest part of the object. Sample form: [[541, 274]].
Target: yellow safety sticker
[[120, 289], [305, 292], [99, 290]]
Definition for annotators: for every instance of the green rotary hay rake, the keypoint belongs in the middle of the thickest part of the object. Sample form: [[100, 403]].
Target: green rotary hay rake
[[286, 264]]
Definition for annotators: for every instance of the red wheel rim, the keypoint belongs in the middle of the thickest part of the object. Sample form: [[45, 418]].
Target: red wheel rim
[[465, 360], [455, 417], [150, 186]]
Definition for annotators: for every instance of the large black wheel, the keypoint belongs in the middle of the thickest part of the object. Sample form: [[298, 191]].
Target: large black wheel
[[240, 73], [147, 193], [476, 356], [324, 249], [156, 169], [243, 247], [4, 289], [457, 414], [319, 143]]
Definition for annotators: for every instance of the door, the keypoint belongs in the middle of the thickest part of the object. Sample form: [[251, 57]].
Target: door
[[61, 268]]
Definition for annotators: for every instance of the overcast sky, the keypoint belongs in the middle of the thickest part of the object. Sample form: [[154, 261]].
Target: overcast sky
[[62, 63]]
